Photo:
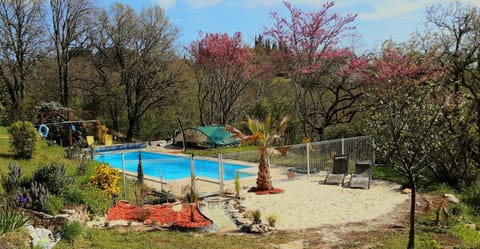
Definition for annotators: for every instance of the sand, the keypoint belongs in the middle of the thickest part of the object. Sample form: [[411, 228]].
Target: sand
[[308, 203]]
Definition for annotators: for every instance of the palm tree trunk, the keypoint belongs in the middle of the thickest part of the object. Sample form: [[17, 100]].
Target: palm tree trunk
[[264, 181]]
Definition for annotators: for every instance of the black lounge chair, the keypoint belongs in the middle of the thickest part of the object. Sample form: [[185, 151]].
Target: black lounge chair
[[362, 175], [339, 170]]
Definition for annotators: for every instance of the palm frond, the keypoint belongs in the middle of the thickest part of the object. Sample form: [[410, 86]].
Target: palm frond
[[237, 133], [283, 124], [266, 125], [283, 150]]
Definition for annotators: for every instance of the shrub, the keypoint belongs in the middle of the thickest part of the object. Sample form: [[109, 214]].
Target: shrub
[[11, 220], [189, 195], [54, 177], [257, 216], [22, 139], [272, 219], [237, 185], [71, 231], [82, 165], [36, 196], [74, 196], [96, 200], [11, 184], [106, 179], [54, 204], [140, 169]]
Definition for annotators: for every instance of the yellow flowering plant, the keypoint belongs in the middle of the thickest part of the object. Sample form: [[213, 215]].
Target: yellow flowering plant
[[106, 179]]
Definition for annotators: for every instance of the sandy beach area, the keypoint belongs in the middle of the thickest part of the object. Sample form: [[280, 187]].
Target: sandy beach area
[[308, 203]]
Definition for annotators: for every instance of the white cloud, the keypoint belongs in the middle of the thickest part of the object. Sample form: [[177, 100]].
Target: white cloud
[[198, 4], [379, 9], [165, 4]]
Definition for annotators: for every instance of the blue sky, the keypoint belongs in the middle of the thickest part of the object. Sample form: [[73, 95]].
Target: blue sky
[[377, 21]]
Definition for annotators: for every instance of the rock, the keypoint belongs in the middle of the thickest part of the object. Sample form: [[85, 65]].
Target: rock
[[471, 226], [68, 211], [259, 228], [451, 198], [42, 238], [406, 191]]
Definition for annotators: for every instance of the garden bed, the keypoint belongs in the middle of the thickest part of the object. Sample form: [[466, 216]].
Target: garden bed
[[162, 215]]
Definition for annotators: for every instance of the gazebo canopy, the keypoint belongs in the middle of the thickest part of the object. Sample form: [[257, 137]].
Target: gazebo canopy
[[207, 137]]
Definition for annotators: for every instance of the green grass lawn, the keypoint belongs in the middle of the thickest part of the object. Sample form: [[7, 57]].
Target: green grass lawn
[[111, 238]]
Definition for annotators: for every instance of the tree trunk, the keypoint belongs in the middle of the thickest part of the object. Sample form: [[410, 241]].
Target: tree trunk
[[131, 128], [411, 234], [264, 181]]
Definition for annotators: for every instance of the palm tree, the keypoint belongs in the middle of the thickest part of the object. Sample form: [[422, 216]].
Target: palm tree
[[261, 134]]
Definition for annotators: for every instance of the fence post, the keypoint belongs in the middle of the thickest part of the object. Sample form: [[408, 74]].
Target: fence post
[[308, 159], [343, 146], [124, 180], [373, 151], [220, 172], [192, 172]]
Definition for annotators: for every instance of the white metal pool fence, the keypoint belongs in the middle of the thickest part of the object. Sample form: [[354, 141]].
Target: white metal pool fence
[[316, 156], [309, 158]]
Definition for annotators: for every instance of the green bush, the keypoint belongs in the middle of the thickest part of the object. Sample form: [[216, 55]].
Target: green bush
[[11, 220], [71, 231], [54, 177], [74, 196], [257, 216], [54, 204], [97, 201], [23, 137]]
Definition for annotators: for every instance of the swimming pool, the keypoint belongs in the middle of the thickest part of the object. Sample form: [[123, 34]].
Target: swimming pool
[[170, 167]]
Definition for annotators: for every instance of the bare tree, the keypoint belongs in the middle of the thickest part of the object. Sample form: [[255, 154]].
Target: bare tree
[[138, 51], [21, 44], [70, 20]]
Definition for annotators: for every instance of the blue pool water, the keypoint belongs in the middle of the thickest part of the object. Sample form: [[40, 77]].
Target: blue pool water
[[170, 167]]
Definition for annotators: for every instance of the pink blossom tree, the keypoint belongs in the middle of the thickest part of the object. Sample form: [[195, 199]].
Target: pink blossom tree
[[223, 69], [324, 74], [406, 122]]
